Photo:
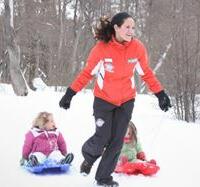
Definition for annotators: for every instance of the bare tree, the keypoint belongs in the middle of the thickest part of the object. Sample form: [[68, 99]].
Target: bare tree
[[17, 78], [184, 59]]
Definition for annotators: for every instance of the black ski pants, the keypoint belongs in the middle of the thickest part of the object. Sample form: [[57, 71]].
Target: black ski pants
[[111, 125]]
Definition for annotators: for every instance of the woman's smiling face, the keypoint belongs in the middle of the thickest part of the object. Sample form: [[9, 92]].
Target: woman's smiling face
[[125, 32]]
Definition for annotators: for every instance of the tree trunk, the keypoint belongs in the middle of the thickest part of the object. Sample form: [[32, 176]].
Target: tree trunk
[[17, 79]]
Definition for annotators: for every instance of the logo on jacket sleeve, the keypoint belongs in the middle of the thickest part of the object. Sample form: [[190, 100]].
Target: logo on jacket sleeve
[[132, 60], [108, 65]]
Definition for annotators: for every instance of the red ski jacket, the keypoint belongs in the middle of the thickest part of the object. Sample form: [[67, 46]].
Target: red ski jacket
[[114, 64]]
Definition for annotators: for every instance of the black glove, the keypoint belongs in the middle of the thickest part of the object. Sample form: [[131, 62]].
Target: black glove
[[66, 99], [164, 101]]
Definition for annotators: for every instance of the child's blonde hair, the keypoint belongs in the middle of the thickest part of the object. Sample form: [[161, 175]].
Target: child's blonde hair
[[133, 130], [41, 119]]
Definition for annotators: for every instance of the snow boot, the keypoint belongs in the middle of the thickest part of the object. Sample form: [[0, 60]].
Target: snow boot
[[68, 159], [85, 168], [111, 183], [33, 161]]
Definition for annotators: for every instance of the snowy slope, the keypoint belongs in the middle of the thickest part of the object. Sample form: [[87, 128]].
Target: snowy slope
[[174, 144]]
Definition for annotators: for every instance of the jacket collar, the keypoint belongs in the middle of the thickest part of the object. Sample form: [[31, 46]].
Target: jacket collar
[[36, 128], [115, 43], [36, 131]]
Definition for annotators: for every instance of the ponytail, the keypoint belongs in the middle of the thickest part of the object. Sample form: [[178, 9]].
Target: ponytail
[[105, 30]]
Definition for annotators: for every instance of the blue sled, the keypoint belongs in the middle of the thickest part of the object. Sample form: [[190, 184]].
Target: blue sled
[[47, 167]]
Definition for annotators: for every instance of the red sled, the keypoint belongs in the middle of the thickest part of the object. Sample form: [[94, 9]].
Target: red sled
[[130, 168]]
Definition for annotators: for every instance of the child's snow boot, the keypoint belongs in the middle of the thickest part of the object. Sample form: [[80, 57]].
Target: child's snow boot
[[68, 159], [33, 161]]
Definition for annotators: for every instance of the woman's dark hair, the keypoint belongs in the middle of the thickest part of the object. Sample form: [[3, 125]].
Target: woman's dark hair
[[105, 29]]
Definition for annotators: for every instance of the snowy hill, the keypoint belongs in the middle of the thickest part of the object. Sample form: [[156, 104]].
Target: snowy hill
[[174, 144]]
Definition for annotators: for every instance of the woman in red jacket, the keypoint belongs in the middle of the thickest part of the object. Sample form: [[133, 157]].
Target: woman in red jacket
[[113, 61]]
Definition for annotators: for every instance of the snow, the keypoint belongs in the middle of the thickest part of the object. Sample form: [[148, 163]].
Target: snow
[[39, 84], [174, 144], [1, 6], [11, 13]]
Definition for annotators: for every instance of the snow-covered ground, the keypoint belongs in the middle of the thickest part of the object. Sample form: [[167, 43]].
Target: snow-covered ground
[[174, 144]]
